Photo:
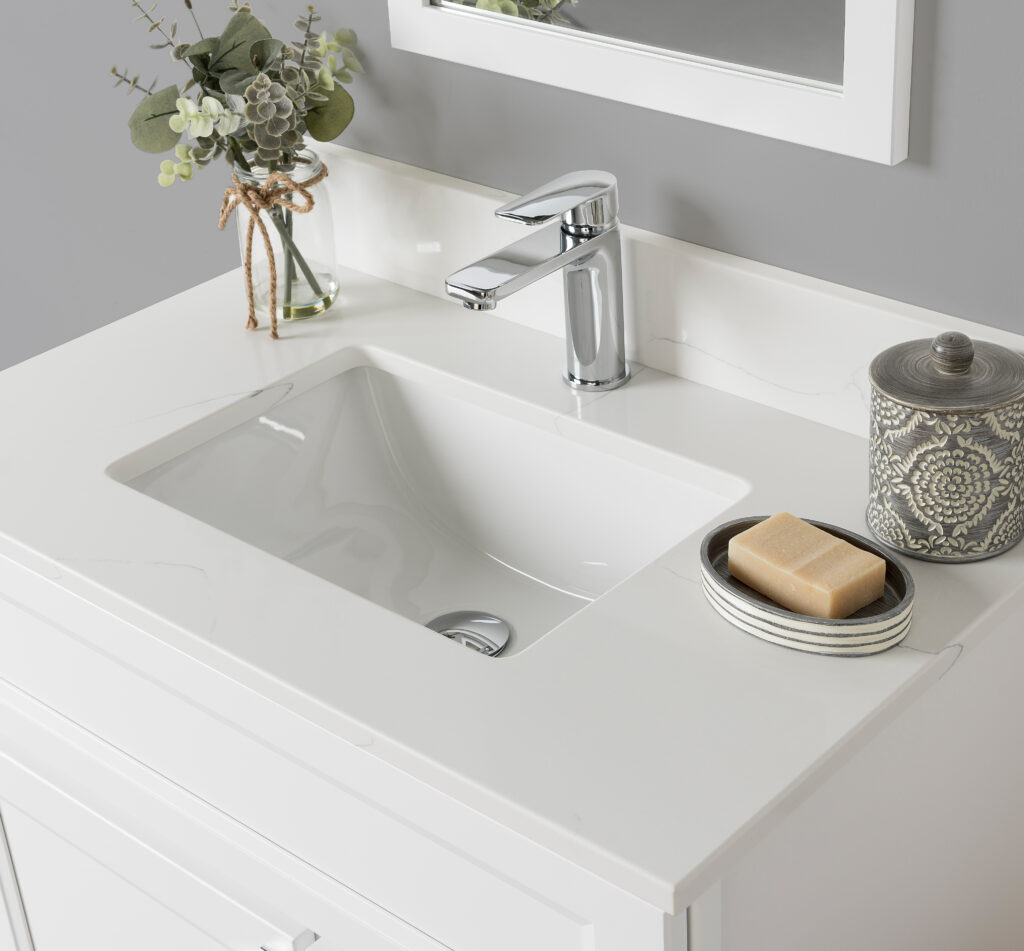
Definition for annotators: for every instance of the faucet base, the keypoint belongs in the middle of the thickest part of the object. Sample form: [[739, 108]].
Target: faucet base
[[596, 386]]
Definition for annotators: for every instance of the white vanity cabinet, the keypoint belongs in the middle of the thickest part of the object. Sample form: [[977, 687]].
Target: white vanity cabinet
[[86, 884], [246, 825], [71, 899], [75, 877], [180, 827], [110, 856]]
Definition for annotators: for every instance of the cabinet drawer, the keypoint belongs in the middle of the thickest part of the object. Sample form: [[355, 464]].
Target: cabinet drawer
[[87, 885], [83, 882], [123, 849]]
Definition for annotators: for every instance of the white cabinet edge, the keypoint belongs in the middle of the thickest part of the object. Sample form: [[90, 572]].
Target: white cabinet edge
[[14, 926]]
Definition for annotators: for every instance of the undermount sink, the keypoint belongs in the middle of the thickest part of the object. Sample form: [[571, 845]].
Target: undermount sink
[[427, 503]]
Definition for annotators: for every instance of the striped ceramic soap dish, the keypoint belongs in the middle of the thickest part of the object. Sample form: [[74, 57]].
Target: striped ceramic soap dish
[[874, 628]]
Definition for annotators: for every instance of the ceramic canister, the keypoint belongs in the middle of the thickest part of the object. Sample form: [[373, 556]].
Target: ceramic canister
[[947, 448]]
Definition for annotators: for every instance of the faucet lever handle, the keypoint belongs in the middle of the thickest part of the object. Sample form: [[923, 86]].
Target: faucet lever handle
[[586, 201]]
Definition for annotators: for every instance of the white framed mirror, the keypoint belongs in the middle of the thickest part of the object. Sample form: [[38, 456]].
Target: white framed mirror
[[866, 115]]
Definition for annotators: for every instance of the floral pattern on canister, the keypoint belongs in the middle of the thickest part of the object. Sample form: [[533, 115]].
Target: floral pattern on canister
[[945, 486]]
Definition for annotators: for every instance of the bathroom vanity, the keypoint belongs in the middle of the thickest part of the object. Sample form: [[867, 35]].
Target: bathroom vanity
[[206, 742]]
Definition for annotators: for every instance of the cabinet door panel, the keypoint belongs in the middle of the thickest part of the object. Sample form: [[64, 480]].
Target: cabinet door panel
[[231, 885], [71, 901]]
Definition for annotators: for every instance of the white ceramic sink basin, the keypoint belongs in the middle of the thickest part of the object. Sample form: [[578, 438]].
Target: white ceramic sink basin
[[427, 503]]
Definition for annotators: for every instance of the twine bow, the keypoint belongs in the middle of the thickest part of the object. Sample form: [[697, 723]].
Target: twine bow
[[276, 190]]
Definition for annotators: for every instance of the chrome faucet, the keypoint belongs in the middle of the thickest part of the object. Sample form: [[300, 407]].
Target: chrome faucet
[[586, 246]]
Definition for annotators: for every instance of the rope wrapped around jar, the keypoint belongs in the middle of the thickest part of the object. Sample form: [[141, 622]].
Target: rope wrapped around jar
[[276, 191]]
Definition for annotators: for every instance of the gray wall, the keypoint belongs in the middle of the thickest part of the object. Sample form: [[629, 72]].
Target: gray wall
[[90, 236]]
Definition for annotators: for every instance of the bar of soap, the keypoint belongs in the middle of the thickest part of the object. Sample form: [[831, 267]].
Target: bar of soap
[[804, 568]]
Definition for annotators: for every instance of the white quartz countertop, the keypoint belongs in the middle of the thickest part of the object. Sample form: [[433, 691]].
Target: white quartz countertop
[[644, 739]]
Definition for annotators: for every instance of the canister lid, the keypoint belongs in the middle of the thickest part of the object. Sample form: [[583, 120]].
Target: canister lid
[[949, 374]]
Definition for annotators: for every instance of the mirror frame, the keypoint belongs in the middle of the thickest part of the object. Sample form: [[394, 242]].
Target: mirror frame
[[868, 117]]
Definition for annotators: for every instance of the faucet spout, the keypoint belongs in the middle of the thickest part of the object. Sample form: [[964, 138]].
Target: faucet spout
[[485, 282], [587, 249]]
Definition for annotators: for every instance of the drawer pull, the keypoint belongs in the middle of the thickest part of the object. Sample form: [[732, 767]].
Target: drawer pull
[[301, 942]]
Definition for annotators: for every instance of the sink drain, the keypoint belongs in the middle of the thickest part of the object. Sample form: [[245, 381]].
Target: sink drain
[[476, 630]]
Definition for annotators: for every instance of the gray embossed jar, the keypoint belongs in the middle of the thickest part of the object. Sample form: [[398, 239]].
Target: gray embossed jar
[[947, 448]]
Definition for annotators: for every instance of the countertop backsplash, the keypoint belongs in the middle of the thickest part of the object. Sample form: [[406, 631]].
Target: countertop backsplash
[[792, 342]]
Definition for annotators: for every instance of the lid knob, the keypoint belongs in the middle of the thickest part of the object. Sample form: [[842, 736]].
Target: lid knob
[[952, 352]]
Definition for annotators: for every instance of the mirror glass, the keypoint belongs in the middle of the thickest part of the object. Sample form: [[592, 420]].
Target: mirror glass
[[797, 38]]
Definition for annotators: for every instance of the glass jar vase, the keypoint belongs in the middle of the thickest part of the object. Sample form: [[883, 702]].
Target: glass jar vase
[[302, 241]]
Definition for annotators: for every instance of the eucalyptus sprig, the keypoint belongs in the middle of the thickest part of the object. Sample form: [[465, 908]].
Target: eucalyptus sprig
[[256, 96], [133, 83]]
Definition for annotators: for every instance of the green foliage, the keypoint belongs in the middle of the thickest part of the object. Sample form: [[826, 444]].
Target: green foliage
[[232, 51], [263, 54], [203, 48], [273, 121], [327, 120], [133, 83], [183, 169], [256, 95], [149, 128], [234, 82]]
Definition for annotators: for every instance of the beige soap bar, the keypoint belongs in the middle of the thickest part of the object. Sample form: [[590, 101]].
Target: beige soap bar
[[804, 568]]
